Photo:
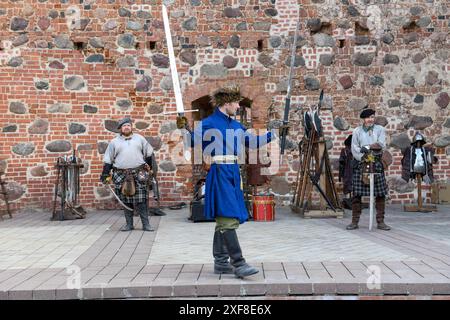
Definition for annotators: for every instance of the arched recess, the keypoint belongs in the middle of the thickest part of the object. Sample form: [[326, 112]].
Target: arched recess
[[254, 106]]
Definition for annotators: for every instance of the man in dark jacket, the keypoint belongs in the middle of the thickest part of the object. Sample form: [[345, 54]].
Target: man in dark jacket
[[346, 168]]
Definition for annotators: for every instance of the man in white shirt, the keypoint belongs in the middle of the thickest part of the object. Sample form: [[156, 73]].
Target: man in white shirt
[[129, 156], [366, 138]]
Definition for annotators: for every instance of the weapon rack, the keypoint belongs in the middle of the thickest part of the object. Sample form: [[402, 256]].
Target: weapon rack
[[63, 167], [4, 193], [315, 164]]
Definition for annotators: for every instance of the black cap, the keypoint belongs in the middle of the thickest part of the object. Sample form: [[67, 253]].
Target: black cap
[[366, 113], [123, 121], [348, 141]]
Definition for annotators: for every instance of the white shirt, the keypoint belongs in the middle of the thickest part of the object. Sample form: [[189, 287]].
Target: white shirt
[[362, 138], [127, 153]]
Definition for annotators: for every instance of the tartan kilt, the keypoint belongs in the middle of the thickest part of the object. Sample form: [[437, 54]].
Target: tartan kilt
[[118, 177], [380, 185]]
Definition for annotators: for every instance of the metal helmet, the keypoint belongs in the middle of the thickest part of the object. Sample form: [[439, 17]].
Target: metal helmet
[[418, 138]]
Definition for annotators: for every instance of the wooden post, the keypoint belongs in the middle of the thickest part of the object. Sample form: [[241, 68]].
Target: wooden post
[[323, 177], [420, 207], [419, 190]]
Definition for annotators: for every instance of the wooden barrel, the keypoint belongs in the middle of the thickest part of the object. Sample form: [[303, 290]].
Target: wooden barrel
[[263, 208]]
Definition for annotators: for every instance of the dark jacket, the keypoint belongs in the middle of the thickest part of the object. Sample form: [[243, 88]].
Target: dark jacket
[[409, 157], [346, 168]]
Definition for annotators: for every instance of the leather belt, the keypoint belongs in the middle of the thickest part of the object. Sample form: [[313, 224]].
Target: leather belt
[[223, 159]]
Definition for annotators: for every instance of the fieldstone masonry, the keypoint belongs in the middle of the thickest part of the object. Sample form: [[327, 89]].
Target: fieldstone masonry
[[69, 71]]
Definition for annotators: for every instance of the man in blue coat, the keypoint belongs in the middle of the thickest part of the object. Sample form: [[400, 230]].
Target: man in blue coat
[[222, 139]]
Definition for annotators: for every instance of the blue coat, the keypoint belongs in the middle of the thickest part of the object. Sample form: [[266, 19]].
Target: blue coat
[[223, 194]]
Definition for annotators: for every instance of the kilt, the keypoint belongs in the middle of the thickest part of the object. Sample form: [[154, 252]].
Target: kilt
[[380, 185], [118, 177]]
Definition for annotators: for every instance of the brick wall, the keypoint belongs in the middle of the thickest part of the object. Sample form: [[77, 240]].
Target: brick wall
[[70, 69]]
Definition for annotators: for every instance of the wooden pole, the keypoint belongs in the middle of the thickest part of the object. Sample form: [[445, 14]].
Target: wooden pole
[[419, 190]]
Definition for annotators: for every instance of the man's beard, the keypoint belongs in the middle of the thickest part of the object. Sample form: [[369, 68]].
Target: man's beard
[[127, 134]]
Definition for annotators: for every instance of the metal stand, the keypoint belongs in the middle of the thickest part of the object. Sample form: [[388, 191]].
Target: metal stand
[[4, 193], [420, 207], [67, 186]]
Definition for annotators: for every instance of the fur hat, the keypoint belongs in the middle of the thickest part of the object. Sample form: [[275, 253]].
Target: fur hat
[[225, 95]]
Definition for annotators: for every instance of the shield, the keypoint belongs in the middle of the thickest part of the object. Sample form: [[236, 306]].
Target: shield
[[307, 123], [317, 122]]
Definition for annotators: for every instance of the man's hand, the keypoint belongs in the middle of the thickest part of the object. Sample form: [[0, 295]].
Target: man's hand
[[365, 149], [282, 128], [182, 122], [285, 127], [106, 179]]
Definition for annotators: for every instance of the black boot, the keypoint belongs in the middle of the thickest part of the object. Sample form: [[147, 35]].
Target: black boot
[[241, 268], [129, 221], [356, 213], [380, 204], [142, 209], [220, 254]]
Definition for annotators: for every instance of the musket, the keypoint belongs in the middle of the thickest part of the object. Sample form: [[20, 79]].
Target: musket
[[154, 180], [175, 81], [287, 105], [118, 199]]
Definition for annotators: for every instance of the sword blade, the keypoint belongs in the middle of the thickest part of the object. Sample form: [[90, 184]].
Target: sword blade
[[175, 81], [173, 66], [371, 202], [118, 199]]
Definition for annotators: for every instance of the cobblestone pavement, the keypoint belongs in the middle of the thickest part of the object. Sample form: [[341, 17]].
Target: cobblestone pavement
[[91, 258]]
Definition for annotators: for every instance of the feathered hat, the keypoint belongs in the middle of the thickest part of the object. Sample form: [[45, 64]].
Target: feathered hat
[[225, 95]]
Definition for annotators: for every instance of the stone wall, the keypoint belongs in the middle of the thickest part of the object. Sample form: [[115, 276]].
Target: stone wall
[[70, 69]]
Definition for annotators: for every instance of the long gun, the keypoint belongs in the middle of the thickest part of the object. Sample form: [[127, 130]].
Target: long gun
[[154, 180], [287, 105]]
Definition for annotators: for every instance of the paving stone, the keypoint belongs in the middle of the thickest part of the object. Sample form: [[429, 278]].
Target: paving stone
[[277, 288], [347, 288], [299, 288], [395, 288], [229, 289], [207, 290], [324, 288], [161, 291], [188, 290], [44, 294], [20, 295], [273, 266], [420, 289], [441, 288], [92, 293], [138, 291]]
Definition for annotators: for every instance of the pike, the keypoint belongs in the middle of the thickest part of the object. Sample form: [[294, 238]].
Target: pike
[[175, 81], [118, 199], [287, 106]]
